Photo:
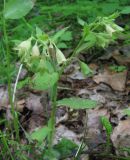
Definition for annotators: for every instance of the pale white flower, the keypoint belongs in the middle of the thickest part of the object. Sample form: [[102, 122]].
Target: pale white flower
[[110, 29], [35, 50], [24, 45], [60, 56], [117, 28]]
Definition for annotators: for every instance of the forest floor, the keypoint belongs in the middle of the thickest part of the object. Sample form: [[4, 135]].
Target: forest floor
[[109, 86]]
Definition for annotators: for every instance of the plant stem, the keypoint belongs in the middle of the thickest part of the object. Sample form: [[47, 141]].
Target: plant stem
[[6, 147], [74, 54], [53, 114], [54, 95], [6, 41]]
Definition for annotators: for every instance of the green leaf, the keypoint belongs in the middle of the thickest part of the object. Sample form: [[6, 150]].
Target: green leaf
[[39, 32], [59, 34], [51, 154], [117, 68], [107, 125], [15, 9], [109, 8], [45, 65], [43, 81], [77, 103], [81, 21], [126, 10], [82, 48], [85, 68], [23, 83], [66, 147], [127, 111], [40, 134], [62, 45], [67, 36]]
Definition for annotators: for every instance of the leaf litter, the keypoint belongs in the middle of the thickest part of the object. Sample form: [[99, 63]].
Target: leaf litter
[[110, 89]]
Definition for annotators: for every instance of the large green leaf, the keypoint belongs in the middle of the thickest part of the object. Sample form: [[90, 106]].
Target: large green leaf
[[126, 10], [40, 134], [77, 103], [43, 81], [15, 9]]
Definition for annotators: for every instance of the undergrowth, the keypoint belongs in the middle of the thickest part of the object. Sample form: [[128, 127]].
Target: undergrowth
[[41, 54]]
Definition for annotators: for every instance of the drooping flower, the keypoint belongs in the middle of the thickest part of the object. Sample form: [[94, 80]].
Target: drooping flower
[[110, 29], [35, 50], [24, 45], [60, 56]]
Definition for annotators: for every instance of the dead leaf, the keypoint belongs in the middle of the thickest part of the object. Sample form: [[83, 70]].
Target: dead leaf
[[64, 132], [33, 103], [20, 105], [94, 117], [4, 99], [115, 80], [121, 136], [121, 59], [94, 135]]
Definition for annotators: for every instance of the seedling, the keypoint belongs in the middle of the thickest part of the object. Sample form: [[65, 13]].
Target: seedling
[[108, 127]]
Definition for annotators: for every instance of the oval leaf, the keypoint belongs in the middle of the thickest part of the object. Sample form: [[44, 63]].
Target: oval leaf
[[16, 9], [85, 68], [45, 80], [77, 103], [40, 134]]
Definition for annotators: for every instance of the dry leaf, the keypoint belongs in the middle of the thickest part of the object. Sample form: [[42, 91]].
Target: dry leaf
[[115, 80], [20, 105], [121, 136], [94, 136], [121, 59], [4, 99], [64, 132]]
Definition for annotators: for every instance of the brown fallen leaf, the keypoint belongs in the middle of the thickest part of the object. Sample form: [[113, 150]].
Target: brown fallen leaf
[[121, 59], [94, 135], [63, 132], [115, 80], [121, 136], [33, 102], [20, 105], [4, 99]]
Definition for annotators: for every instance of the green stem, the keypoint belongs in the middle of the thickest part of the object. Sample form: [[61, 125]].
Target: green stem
[[6, 41], [73, 54], [6, 147], [53, 114], [54, 96]]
